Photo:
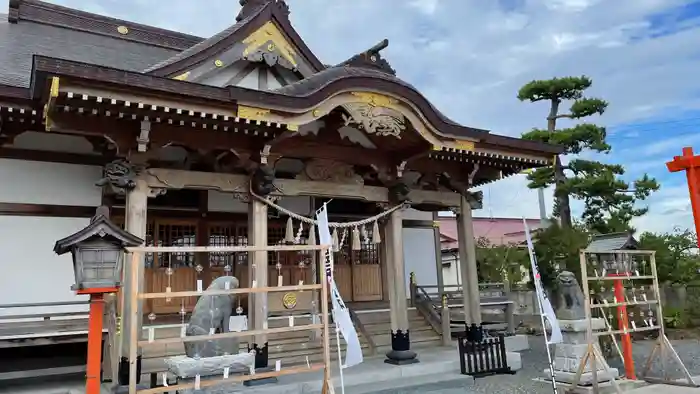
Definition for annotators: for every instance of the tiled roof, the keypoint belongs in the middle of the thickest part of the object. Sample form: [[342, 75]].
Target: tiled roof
[[208, 43], [614, 241], [20, 41]]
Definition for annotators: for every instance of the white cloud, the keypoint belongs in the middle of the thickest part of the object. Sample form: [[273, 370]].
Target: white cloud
[[425, 6], [470, 57]]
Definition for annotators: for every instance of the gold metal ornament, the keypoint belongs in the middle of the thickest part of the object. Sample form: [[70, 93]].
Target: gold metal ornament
[[289, 300]]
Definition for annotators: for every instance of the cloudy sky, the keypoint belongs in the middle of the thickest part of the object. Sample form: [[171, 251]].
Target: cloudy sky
[[469, 57]]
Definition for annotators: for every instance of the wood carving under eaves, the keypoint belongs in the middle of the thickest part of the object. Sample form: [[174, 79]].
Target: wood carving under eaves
[[375, 114], [269, 38], [270, 56], [120, 175], [329, 171]]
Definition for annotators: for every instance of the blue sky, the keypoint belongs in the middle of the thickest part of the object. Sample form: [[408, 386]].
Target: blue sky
[[469, 57]]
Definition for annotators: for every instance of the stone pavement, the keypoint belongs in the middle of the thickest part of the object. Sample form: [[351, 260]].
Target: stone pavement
[[533, 362]]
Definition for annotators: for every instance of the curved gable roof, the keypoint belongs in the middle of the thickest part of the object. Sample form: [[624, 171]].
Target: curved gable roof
[[332, 80], [249, 19]]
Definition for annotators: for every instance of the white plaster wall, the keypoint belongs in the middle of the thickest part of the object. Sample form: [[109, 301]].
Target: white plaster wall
[[414, 214], [31, 271], [34, 182], [251, 81], [451, 274], [419, 256]]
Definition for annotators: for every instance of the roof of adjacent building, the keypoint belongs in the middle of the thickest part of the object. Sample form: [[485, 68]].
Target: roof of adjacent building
[[601, 243], [498, 231]]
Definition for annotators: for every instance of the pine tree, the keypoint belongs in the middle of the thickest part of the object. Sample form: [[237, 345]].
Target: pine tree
[[609, 200]]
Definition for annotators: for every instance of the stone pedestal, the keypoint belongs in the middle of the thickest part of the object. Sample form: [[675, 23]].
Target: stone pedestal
[[186, 368], [569, 354]]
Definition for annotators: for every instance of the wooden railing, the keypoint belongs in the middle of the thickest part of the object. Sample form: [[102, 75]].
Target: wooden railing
[[28, 328], [425, 306], [429, 301], [363, 331]]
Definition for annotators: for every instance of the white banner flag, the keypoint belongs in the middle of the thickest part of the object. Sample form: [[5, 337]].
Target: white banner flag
[[341, 314], [325, 238], [546, 309]]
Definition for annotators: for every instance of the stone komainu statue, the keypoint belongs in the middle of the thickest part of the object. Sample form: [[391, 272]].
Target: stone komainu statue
[[212, 313], [570, 300]]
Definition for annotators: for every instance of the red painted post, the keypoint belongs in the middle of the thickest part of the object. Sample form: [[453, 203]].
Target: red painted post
[[691, 164], [622, 325], [93, 375]]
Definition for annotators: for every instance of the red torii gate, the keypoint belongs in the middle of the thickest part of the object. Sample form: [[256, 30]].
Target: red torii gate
[[691, 164]]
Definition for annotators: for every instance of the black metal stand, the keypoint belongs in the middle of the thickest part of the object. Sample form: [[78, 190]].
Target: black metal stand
[[261, 366], [123, 372], [474, 333], [400, 353], [483, 357]]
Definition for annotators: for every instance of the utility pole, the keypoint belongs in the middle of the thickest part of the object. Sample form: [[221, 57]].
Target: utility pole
[[543, 208]]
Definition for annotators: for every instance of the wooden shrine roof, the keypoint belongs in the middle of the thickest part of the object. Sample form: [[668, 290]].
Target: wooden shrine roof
[[253, 14], [130, 72]]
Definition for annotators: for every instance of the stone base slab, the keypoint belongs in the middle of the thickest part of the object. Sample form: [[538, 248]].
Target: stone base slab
[[578, 325], [517, 343], [586, 377], [188, 367]]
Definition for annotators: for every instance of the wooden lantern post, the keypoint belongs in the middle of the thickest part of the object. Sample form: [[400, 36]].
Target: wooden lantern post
[[691, 164], [94, 351], [97, 263]]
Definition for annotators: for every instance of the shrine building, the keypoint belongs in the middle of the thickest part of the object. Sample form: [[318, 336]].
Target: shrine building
[[182, 136]]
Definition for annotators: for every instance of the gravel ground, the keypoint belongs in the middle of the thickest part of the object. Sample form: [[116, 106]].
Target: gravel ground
[[535, 361]]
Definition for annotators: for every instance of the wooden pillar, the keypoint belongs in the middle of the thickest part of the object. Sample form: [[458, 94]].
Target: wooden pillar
[[135, 223], [445, 310], [384, 265], [438, 255], [400, 353], [467, 262], [388, 254], [257, 271], [202, 238]]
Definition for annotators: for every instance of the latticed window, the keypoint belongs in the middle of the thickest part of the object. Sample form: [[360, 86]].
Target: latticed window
[[184, 234], [369, 254], [228, 235]]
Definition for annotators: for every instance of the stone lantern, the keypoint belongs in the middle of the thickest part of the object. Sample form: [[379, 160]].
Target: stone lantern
[[97, 262]]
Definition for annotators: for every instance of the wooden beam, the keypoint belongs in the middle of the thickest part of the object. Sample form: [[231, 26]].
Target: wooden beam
[[305, 149], [53, 157], [161, 178]]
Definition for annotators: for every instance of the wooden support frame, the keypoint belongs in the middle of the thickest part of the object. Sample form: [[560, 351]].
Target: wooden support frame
[[161, 178], [662, 347], [134, 297]]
